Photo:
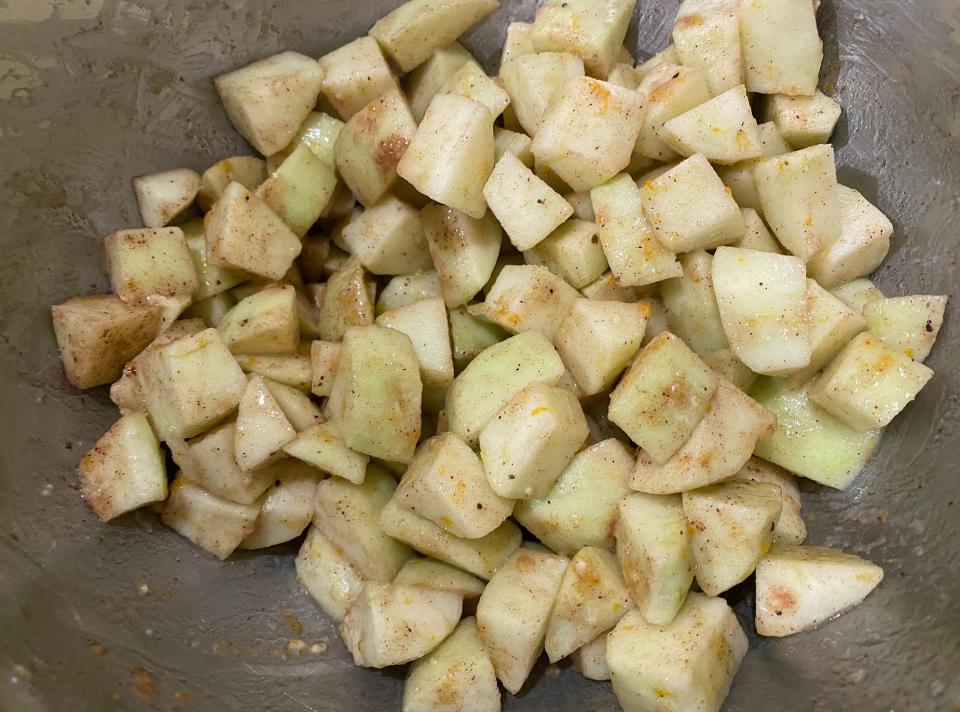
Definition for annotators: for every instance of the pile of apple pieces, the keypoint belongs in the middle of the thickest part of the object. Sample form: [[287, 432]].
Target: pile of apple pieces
[[677, 325]]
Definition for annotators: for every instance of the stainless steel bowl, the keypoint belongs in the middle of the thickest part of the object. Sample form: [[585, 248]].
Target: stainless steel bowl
[[131, 616]]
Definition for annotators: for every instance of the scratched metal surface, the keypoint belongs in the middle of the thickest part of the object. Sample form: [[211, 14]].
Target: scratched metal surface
[[93, 92]]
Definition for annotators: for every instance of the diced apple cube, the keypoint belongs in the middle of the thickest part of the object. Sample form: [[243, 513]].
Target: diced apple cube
[[635, 255], [588, 131], [464, 250], [494, 377], [739, 177], [691, 304], [803, 120], [124, 470], [581, 509], [293, 371], [532, 79], [212, 280], [268, 100], [530, 441], [669, 90], [706, 36], [371, 144], [528, 298], [513, 612], [348, 515], [598, 339], [346, 301], [248, 171], [150, 261], [299, 189], [296, 406], [327, 575], [832, 325], [429, 573], [97, 335], [425, 322], [263, 323], [322, 447], [526, 207], [687, 665], [212, 523], [412, 32], [457, 675], [262, 429], [800, 587], [857, 293], [762, 299], [907, 324], [591, 600], [790, 527], [869, 383], [591, 29], [722, 129], [244, 234], [388, 238], [446, 484], [756, 236], [517, 42], [653, 551], [799, 195], [213, 466], [355, 75], [719, 446], [572, 251], [471, 335], [591, 659], [663, 397], [857, 247], [782, 50], [376, 396], [391, 624], [726, 363], [424, 82], [451, 154], [162, 197], [607, 288], [481, 557], [190, 384], [809, 441], [668, 55], [689, 208], [472, 82], [286, 508], [731, 527]]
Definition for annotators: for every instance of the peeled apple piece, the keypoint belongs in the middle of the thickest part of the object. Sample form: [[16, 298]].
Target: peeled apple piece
[[762, 299], [799, 587]]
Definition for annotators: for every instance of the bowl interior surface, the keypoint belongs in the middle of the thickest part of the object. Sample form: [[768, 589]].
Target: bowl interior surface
[[131, 616]]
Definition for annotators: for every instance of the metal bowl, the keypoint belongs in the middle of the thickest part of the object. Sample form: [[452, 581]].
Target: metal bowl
[[131, 616]]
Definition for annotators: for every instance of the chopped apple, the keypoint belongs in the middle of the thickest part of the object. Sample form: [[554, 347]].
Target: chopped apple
[[592, 29], [388, 238], [809, 441], [669, 90], [354, 75], [244, 234], [663, 397], [528, 443], [97, 335], [327, 575], [763, 305], [149, 262], [907, 324], [458, 675], [248, 171], [654, 553], [262, 429], [687, 665], [480, 557], [429, 573], [391, 624], [531, 80], [592, 598], [424, 82], [706, 36], [124, 470], [719, 446], [528, 298], [782, 50], [212, 523], [285, 509], [722, 129], [581, 509], [263, 323], [268, 100], [513, 612], [800, 587], [691, 305], [162, 197]]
